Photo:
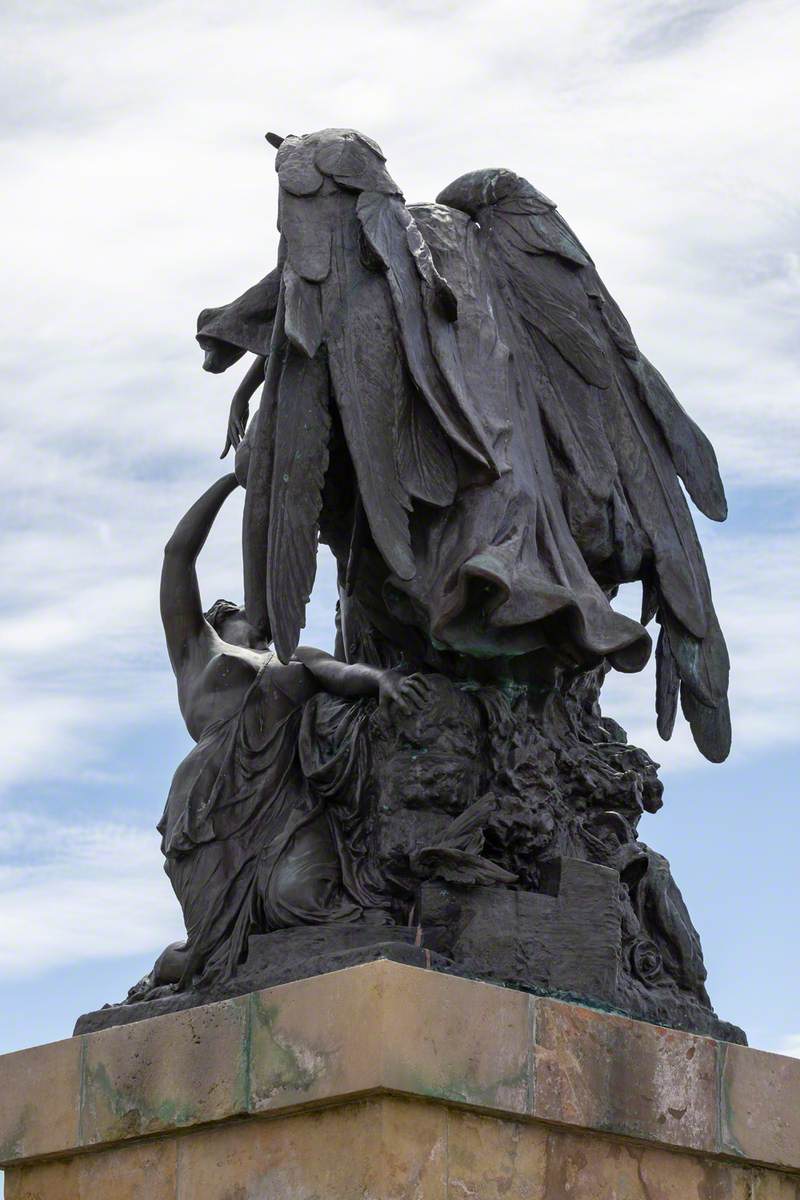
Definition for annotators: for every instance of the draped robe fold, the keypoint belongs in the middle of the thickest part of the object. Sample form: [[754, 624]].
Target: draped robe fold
[[250, 844]]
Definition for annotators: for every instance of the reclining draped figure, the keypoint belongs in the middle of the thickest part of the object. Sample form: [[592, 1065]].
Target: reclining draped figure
[[454, 404]]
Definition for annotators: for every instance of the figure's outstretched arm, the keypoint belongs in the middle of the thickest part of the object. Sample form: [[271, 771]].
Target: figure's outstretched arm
[[240, 404], [408, 692], [181, 608]]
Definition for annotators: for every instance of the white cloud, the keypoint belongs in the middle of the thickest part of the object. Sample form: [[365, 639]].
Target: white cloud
[[91, 893], [790, 1045]]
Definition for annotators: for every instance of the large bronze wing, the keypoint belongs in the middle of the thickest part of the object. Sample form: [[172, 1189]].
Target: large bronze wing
[[362, 321], [619, 440]]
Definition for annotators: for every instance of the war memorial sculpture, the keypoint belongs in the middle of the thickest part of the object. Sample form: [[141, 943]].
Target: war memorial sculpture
[[427, 954], [454, 404]]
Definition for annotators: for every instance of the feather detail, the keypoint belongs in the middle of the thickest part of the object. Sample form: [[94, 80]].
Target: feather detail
[[366, 373], [691, 451], [297, 173], [457, 866], [353, 162], [703, 663], [424, 459], [303, 312], [426, 269], [711, 727], [541, 233], [516, 210], [302, 426], [613, 317], [308, 234], [255, 521], [384, 221], [494, 185], [580, 362], [650, 596], [660, 509], [456, 853], [646, 471], [630, 544], [548, 311], [667, 685]]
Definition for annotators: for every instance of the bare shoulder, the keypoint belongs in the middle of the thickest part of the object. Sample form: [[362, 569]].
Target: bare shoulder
[[212, 687], [230, 669], [293, 679]]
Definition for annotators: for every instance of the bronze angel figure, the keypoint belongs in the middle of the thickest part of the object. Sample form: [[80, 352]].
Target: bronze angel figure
[[455, 404]]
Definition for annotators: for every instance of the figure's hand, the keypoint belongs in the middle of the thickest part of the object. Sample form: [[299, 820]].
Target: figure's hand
[[410, 693], [240, 404], [237, 421]]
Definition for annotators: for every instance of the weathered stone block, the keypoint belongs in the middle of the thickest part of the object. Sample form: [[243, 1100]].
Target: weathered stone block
[[300, 1156], [58, 1179], [627, 1077], [492, 1159], [567, 938], [40, 1100], [381, 1148], [317, 1038], [455, 1039], [768, 1185], [130, 1172], [380, 1027], [761, 1106], [166, 1073], [386, 1081]]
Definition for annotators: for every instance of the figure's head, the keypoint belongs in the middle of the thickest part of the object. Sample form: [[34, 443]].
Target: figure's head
[[230, 622]]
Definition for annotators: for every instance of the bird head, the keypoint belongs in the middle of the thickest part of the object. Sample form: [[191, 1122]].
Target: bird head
[[350, 159]]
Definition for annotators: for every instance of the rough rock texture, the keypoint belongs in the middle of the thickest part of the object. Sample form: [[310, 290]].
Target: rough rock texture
[[496, 832]]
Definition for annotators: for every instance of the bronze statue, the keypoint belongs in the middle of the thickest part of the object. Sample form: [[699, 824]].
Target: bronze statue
[[452, 402], [247, 848]]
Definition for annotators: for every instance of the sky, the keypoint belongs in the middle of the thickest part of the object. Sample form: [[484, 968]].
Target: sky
[[138, 188]]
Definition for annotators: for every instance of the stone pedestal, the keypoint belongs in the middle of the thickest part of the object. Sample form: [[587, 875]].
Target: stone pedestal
[[387, 1080]]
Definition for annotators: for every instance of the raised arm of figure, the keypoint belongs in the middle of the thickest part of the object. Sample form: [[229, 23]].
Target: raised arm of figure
[[181, 608]]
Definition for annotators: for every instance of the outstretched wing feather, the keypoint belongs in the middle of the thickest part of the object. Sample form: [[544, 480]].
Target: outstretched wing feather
[[255, 520], [303, 312], [365, 373], [690, 449], [667, 686], [385, 220], [424, 459], [658, 505], [302, 427], [703, 663], [542, 233], [711, 727], [546, 275]]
